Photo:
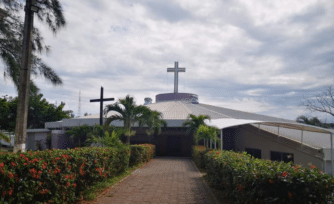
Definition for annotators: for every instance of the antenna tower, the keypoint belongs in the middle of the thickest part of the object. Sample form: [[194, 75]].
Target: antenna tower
[[79, 109]]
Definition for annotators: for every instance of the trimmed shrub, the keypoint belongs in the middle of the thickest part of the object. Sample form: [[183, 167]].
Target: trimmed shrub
[[58, 176], [141, 153], [198, 155], [249, 180]]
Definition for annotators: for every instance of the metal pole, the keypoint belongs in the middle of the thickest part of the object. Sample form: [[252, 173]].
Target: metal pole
[[101, 106], [332, 168], [278, 134], [23, 93], [176, 82], [221, 139]]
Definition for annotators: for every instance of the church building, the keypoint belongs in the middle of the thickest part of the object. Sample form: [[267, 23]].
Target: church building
[[262, 136]]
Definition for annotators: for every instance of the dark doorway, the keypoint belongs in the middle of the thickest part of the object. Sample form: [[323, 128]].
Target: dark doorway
[[229, 138], [173, 146]]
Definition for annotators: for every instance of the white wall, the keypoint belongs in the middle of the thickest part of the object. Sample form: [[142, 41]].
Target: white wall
[[249, 137]]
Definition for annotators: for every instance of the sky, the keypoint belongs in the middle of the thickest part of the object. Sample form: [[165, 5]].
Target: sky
[[264, 57]]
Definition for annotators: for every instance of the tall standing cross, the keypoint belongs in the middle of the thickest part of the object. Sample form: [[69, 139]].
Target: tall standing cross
[[176, 71], [101, 103]]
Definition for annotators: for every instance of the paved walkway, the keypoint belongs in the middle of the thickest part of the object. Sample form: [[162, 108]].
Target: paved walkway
[[162, 180]]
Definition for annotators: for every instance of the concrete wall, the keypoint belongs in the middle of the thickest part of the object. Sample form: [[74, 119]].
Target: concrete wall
[[248, 136], [35, 136]]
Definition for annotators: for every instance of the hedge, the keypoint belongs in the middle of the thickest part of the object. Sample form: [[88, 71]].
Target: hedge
[[58, 176], [246, 179], [141, 153]]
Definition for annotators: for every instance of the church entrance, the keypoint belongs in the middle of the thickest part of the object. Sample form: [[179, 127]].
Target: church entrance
[[173, 146]]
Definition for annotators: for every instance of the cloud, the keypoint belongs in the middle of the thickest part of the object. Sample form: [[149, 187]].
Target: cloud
[[253, 56]]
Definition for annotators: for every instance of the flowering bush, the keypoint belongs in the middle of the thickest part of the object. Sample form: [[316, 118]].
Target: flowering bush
[[141, 153], [57, 176], [198, 155], [249, 180]]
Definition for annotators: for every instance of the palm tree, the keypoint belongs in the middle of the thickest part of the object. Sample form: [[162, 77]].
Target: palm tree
[[193, 122], [129, 114], [11, 29], [4, 137], [154, 121]]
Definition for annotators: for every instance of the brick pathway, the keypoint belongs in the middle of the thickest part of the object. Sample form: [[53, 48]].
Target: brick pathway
[[162, 180]]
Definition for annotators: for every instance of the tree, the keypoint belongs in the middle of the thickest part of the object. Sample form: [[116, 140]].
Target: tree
[[312, 121], [129, 113], [323, 103], [80, 133], [154, 121], [207, 133], [11, 30], [39, 112], [193, 122], [99, 132]]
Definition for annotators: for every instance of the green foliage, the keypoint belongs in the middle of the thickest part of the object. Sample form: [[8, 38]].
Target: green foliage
[[193, 122], [108, 140], [141, 153], [61, 176], [98, 133], [11, 32], [248, 180], [4, 137], [198, 155], [312, 121], [129, 113], [79, 133], [206, 132], [39, 112], [154, 121]]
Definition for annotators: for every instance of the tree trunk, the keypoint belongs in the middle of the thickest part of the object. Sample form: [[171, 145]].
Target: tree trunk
[[128, 140], [23, 95]]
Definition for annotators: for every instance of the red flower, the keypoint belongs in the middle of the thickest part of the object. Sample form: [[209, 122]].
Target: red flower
[[239, 187], [43, 166], [22, 155], [75, 148], [50, 201], [312, 167], [25, 164], [74, 185], [39, 172], [13, 164], [271, 181], [26, 158], [10, 175], [2, 165], [289, 195], [68, 184], [284, 174], [57, 158], [10, 191]]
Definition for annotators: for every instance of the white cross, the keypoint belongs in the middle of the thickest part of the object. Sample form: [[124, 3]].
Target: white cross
[[176, 71]]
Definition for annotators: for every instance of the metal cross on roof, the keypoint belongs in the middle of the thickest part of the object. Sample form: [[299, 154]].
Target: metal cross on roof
[[176, 71], [101, 103]]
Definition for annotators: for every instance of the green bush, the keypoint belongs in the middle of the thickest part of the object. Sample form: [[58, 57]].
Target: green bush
[[198, 155], [249, 180], [59, 176], [141, 153]]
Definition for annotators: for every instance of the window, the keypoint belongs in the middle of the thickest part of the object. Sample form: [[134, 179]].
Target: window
[[254, 152], [281, 156]]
